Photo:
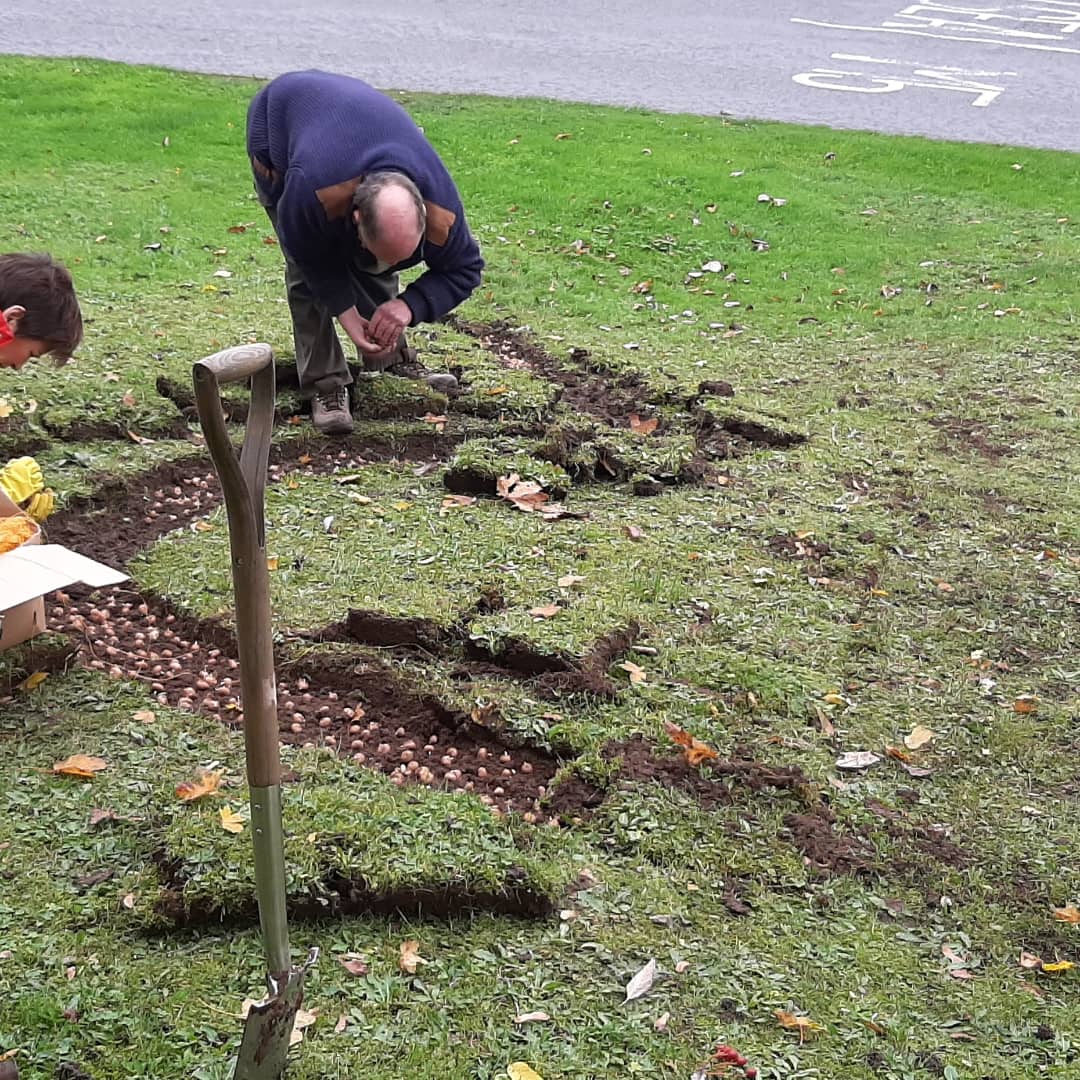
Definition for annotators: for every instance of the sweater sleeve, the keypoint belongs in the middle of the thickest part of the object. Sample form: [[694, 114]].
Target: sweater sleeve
[[320, 248], [453, 272]]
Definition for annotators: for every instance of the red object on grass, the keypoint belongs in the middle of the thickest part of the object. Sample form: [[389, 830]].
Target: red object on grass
[[729, 1055]]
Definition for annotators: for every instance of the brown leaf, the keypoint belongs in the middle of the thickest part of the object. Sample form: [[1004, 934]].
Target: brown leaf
[[451, 502], [1026, 705], [957, 964], [409, 957], [547, 611], [341, 1025], [241, 228], [1029, 961], [694, 750], [568, 581], [633, 532], [143, 716], [81, 766], [97, 816], [128, 399], [529, 496], [354, 963], [642, 427], [141, 440], [806, 1027], [1070, 914], [636, 673], [208, 783]]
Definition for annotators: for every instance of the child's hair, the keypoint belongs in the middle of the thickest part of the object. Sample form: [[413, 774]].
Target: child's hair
[[40, 284]]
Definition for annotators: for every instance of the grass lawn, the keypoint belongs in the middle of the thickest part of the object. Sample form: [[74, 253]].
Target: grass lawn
[[810, 401]]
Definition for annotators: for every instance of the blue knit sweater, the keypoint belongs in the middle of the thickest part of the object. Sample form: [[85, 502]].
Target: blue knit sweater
[[311, 137]]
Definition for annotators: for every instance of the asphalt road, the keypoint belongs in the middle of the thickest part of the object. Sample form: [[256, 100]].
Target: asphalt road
[[971, 69]]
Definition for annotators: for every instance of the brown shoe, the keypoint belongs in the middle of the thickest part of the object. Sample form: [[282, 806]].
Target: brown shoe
[[406, 366], [330, 412]]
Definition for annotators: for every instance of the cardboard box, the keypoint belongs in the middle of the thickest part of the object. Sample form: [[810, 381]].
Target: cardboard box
[[31, 571]]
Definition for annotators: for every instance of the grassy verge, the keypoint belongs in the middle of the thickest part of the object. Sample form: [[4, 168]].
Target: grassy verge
[[912, 563]]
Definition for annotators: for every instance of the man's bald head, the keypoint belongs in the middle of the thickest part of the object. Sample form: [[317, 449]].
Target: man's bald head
[[390, 216]]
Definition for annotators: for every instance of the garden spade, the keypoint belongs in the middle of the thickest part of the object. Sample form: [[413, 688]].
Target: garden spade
[[269, 1024]]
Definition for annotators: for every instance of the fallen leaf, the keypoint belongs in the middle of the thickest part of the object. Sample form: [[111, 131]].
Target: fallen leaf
[[140, 440], [661, 1022], [223, 273], [559, 138], [208, 783], [633, 532], [642, 427], [636, 673], [531, 1018], [529, 496], [128, 400], [806, 1027], [518, 1070], [32, 682], [272, 562], [451, 502], [231, 821], [342, 1020], [241, 228], [641, 983], [919, 737], [6, 408], [1029, 961], [354, 964], [203, 526], [304, 1019], [97, 816], [696, 751], [1059, 965], [547, 611], [682, 967], [857, 759], [80, 765], [409, 956], [143, 716], [897, 754], [1026, 705], [957, 964], [129, 901], [825, 725], [1070, 914], [568, 581]]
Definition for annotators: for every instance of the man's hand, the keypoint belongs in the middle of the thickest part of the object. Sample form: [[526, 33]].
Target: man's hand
[[358, 328], [388, 322]]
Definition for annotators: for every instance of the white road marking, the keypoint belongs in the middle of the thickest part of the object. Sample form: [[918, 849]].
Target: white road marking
[[938, 37]]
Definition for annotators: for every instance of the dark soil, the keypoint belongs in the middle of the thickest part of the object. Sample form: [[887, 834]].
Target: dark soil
[[970, 435], [640, 762], [608, 397]]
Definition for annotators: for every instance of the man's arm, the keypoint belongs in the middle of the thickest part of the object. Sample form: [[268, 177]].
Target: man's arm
[[453, 272]]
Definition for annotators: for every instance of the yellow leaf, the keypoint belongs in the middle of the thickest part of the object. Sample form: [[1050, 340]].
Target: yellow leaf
[[202, 526], [919, 737], [304, 1019], [32, 682], [143, 716], [6, 408], [1060, 965], [272, 562], [231, 821], [1068, 914], [404, 504], [637, 674], [207, 784], [409, 956], [834, 699], [495, 391], [305, 459], [519, 1070], [80, 765], [806, 1027]]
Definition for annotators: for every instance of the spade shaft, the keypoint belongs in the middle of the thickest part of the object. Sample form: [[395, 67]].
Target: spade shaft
[[265, 1045]]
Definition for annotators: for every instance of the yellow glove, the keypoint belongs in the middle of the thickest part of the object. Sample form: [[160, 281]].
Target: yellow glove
[[21, 478], [41, 505]]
